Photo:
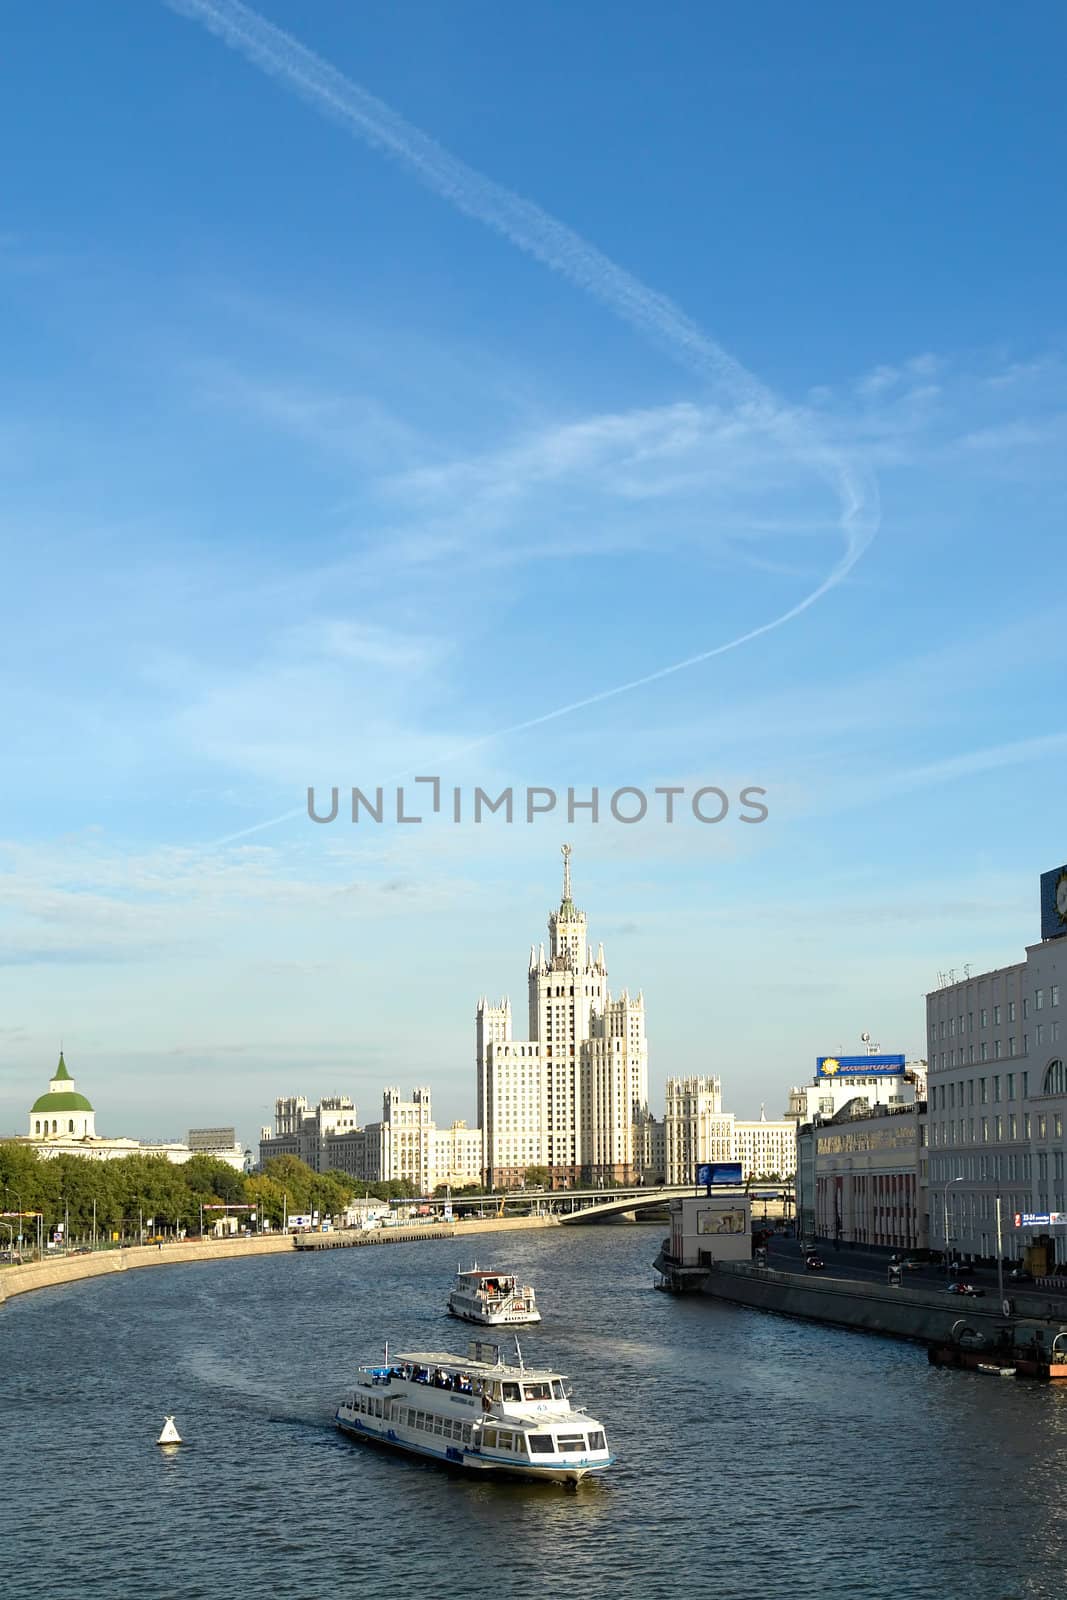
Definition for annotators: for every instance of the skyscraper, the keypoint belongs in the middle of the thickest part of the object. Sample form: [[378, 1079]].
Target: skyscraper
[[563, 1098]]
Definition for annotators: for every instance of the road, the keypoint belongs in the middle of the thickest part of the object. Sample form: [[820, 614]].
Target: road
[[855, 1261]]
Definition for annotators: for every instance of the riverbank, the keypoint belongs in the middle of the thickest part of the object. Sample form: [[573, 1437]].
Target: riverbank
[[72, 1269], [926, 1314]]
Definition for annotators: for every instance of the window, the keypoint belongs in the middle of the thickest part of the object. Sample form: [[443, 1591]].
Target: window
[[597, 1441], [1011, 1010], [540, 1444], [996, 1016], [1011, 1085], [985, 1130], [1054, 1078], [983, 1089], [985, 1016], [985, 1050], [1011, 1047], [1042, 1126], [1026, 1084], [996, 1049], [1039, 999], [1054, 995], [1011, 1126], [571, 1441], [1026, 1007]]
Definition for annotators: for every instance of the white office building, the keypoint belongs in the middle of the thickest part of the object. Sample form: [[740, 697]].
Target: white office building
[[997, 1096]]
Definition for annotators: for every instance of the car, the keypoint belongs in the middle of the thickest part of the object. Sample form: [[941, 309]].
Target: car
[[1020, 1275], [814, 1263], [965, 1288], [912, 1265]]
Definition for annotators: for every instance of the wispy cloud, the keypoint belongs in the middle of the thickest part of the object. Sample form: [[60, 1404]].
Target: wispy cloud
[[534, 231]]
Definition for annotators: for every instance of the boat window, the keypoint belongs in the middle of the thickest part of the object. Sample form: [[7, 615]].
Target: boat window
[[540, 1444], [438, 1424], [537, 1391], [411, 1419], [466, 1433], [597, 1441], [489, 1437], [511, 1391], [558, 1391], [505, 1441], [378, 1408], [572, 1441]]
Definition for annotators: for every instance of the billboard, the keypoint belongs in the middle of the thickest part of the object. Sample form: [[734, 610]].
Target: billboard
[[1041, 1219], [1054, 903], [859, 1066], [710, 1173], [718, 1221]]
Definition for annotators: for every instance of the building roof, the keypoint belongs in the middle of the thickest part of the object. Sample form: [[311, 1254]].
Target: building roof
[[61, 1070], [61, 1100]]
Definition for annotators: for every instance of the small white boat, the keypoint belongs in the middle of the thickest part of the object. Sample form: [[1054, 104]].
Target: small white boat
[[170, 1434], [476, 1412], [993, 1371], [495, 1299]]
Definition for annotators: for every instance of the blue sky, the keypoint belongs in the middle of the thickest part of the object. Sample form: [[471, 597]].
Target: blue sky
[[317, 470]]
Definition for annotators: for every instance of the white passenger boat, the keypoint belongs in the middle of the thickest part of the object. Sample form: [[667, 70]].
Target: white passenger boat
[[496, 1299], [476, 1412]]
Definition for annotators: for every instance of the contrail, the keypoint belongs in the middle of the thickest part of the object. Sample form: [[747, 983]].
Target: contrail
[[558, 247]]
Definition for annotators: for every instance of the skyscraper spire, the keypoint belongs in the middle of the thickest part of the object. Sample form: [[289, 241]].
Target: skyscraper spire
[[566, 853]]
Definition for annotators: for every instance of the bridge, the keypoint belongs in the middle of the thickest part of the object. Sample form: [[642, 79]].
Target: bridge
[[586, 1206]]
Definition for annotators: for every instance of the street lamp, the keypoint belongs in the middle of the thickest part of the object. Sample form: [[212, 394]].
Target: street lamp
[[948, 1186], [9, 1189]]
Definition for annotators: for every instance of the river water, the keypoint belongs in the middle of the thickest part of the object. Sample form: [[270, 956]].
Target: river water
[[757, 1456]]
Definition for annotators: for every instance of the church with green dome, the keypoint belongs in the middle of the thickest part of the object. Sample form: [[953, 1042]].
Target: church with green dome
[[62, 1112]]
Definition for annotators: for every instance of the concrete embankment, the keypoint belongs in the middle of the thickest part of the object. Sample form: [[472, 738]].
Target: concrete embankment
[[72, 1269], [927, 1314]]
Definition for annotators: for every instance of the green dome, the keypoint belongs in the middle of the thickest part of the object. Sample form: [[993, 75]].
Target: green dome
[[62, 1100]]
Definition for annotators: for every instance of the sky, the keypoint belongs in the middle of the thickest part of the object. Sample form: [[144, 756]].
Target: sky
[[417, 406]]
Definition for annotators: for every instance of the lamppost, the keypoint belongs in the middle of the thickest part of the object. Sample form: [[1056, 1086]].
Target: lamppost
[[948, 1186], [9, 1189], [11, 1236]]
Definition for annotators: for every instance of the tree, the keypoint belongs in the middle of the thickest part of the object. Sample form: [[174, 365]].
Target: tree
[[537, 1178]]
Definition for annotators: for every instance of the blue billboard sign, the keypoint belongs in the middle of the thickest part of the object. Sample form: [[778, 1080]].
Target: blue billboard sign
[[1054, 903], [1041, 1219], [719, 1173], [859, 1066]]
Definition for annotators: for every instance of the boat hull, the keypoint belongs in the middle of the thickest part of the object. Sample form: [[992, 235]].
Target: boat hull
[[504, 1320], [472, 1461]]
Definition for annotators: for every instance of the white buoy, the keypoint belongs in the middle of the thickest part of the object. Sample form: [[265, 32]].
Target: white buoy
[[170, 1434]]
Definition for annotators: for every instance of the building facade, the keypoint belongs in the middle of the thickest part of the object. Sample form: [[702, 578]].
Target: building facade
[[870, 1177], [565, 1097], [404, 1146], [997, 1047], [697, 1129]]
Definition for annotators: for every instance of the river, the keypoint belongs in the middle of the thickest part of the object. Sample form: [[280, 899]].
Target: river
[[757, 1456]]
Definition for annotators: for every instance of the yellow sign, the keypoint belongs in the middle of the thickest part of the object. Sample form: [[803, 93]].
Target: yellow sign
[[830, 1066]]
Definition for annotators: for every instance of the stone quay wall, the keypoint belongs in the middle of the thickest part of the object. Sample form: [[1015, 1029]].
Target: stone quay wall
[[74, 1268]]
